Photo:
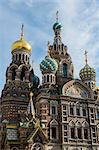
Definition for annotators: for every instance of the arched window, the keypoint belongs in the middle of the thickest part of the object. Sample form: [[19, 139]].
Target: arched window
[[19, 57], [65, 70], [51, 78], [26, 57], [13, 74], [54, 130], [72, 130], [47, 78], [85, 129], [16, 56], [79, 130], [23, 57], [44, 79], [23, 74], [78, 110]]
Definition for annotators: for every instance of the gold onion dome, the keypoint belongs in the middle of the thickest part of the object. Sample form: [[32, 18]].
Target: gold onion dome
[[87, 73], [21, 44]]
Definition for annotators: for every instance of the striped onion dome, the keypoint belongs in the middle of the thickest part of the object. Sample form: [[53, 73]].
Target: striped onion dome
[[49, 65], [57, 25], [87, 73]]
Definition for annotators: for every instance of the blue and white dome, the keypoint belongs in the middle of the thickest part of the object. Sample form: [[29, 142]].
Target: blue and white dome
[[49, 65]]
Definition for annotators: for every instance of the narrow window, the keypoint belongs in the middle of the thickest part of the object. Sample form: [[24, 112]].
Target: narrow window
[[53, 110], [72, 132], [16, 56], [23, 74], [13, 74], [79, 132], [85, 133], [23, 57], [26, 57], [65, 70], [54, 132], [44, 79], [78, 111], [71, 110], [51, 78], [84, 111], [19, 57], [47, 78]]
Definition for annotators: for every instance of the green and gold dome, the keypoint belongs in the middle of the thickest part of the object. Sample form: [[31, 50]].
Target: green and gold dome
[[21, 44], [87, 73], [49, 65]]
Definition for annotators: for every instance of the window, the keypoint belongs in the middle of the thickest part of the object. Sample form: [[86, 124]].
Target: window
[[51, 78], [65, 127], [64, 113], [64, 107], [64, 118], [84, 111], [78, 111], [16, 56], [44, 79], [23, 74], [71, 110], [47, 78], [53, 110], [65, 139], [91, 109], [85, 133], [13, 74], [54, 132], [79, 133], [23, 57], [72, 132], [19, 56], [26, 57], [65, 70]]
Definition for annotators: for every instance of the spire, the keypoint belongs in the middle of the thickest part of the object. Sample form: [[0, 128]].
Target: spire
[[57, 16], [86, 58], [49, 52], [22, 31]]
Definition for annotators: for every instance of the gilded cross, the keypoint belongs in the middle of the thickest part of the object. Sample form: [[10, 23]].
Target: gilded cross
[[57, 16], [86, 59], [22, 32]]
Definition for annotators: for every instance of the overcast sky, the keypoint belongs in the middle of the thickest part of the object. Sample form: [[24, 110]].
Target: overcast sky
[[80, 30]]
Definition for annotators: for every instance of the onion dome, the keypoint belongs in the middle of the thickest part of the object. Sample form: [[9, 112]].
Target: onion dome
[[87, 73], [48, 65], [57, 25], [21, 44]]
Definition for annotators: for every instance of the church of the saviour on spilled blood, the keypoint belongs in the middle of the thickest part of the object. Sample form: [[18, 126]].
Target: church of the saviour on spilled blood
[[60, 113]]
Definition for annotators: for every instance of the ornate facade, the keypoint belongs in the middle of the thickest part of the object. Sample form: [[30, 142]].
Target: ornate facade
[[61, 113]]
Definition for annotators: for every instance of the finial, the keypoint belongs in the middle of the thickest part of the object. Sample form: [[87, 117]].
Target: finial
[[57, 16], [22, 32], [86, 59], [49, 53]]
